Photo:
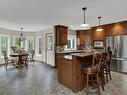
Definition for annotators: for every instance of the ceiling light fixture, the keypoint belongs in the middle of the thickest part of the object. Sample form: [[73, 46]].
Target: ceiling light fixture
[[99, 26], [84, 24], [21, 35]]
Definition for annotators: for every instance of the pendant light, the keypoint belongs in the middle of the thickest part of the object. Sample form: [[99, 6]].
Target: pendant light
[[84, 24], [21, 35], [99, 26]]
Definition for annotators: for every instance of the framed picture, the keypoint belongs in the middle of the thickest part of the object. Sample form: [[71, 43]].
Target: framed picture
[[98, 44]]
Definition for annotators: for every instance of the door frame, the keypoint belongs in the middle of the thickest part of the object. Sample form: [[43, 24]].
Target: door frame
[[46, 46]]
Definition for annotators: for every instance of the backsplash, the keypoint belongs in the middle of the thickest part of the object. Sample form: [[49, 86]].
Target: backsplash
[[59, 48], [80, 47]]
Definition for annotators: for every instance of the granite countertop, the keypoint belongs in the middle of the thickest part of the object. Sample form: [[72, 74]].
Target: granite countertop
[[70, 51], [82, 54]]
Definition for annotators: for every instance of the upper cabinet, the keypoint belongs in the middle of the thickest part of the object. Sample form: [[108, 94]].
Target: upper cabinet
[[111, 30], [98, 35], [119, 28], [81, 36], [61, 33]]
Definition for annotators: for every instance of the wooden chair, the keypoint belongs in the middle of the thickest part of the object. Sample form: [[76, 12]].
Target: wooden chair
[[92, 78], [98, 60], [106, 60], [7, 60], [31, 56], [23, 55], [109, 61], [93, 74]]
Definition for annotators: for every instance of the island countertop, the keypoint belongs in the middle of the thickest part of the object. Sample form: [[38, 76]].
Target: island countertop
[[82, 54], [70, 51], [68, 55]]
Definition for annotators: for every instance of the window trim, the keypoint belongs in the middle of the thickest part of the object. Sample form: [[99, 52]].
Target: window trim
[[8, 44]]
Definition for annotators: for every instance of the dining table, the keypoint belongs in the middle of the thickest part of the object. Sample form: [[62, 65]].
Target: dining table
[[19, 58]]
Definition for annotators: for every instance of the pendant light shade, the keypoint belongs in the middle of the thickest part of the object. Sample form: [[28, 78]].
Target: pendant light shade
[[99, 26], [84, 23]]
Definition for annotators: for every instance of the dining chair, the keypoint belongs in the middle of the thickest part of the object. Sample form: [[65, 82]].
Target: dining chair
[[8, 60], [23, 55], [31, 56]]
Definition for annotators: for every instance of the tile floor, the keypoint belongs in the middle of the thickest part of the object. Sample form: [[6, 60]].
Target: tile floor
[[41, 79]]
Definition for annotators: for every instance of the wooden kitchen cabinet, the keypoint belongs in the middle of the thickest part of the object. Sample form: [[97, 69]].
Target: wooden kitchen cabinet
[[61, 33], [98, 35], [64, 70], [116, 29], [69, 70], [111, 30], [81, 36]]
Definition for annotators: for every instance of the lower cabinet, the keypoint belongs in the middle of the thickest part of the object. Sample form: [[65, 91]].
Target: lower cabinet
[[64, 71]]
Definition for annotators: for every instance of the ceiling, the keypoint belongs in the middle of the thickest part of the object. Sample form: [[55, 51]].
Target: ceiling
[[36, 15]]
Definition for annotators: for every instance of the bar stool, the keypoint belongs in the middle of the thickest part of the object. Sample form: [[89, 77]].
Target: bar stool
[[98, 61], [109, 61], [92, 77], [106, 60], [92, 74]]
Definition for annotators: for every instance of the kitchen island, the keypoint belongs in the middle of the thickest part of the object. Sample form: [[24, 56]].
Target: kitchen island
[[69, 68]]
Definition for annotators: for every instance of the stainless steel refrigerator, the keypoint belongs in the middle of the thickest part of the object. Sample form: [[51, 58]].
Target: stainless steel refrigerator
[[118, 45]]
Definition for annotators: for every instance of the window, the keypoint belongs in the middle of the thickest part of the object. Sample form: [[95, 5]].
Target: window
[[71, 43], [38, 45], [29, 44], [16, 43], [5, 44]]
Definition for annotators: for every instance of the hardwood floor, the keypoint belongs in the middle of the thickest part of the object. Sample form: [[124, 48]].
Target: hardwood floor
[[41, 79]]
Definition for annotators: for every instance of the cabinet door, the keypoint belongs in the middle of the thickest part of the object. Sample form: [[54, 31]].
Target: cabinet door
[[98, 35], [80, 37], [61, 35], [122, 28], [69, 73], [111, 30], [60, 70]]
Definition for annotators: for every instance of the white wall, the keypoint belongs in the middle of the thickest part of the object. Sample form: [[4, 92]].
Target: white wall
[[43, 34]]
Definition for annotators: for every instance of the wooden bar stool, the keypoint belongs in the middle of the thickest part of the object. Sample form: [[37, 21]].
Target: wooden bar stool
[[92, 74], [109, 61], [92, 79], [106, 60]]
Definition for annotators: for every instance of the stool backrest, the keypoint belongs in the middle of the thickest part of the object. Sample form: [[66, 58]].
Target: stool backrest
[[96, 59], [104, 57]]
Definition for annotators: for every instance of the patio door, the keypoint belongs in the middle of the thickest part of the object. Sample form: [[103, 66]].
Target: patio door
[[50, 49]]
